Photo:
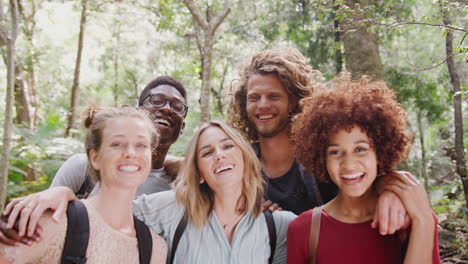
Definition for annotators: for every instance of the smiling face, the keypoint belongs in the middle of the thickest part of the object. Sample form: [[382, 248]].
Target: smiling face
[[219, 160], [124, 157], [351, 162], [268, 105], [168, 122]]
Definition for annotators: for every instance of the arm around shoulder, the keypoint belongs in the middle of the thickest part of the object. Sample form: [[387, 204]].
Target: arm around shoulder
[[72, 173]]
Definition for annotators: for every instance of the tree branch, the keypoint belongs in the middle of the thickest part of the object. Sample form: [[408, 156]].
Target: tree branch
[[3, 36], [419, 69], [3, 32], [14, 18], [197, 14], [400, 23], [219, 19]]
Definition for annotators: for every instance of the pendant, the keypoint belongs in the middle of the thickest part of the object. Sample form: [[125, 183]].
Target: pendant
[[225, 227]]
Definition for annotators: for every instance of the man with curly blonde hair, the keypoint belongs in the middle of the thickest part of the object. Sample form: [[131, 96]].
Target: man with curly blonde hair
[[265, 98]]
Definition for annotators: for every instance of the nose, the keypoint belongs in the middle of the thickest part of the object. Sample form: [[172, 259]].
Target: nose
[[166, 107], [263, 102], [348, 162], [220, 154], [128, 152]]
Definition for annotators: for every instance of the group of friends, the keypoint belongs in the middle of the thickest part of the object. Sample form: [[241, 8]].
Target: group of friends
[[299, 173]]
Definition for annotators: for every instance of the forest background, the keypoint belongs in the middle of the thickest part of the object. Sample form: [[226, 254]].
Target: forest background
[[58, 56]]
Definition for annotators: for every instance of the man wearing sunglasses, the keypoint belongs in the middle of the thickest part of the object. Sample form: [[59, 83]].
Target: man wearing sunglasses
[[166, 99]]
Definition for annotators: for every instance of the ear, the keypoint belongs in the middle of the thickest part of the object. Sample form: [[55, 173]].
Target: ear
[[182, 128], [93, 156], [202, 179]]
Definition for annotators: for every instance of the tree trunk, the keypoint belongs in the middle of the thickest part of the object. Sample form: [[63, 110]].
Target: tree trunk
[[25, 83], [8, 102], [25, 110], [423, 152], [209, 25], [218, 93], [206, 79], [338, 54], [76, 79], [457, 106], [361, 46]]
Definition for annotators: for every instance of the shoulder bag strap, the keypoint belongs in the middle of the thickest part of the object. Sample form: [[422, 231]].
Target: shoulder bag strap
[[314, 233], [271, 233], [178, 234], [145, 241], [76, 239]]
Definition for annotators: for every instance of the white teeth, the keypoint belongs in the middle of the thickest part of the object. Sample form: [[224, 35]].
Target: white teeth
[[353, 176], [266, 116], [223, 168], [162, 122], [128, 168]]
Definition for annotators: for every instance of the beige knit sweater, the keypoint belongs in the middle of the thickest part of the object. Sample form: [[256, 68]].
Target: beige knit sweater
[[106, 245]]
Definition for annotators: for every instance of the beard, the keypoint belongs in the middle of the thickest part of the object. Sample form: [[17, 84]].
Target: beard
[[271, 130]]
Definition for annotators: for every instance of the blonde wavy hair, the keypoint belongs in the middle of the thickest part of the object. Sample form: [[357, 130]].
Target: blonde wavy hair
[[198, 198], [294, 73]]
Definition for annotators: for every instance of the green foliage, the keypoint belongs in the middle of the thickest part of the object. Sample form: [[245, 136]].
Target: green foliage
[[448, 198], [36, 155], [422, 93], [26, 187]]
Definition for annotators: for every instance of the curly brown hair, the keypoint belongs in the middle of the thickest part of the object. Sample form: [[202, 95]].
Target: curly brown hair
[[291, 68], [370, 105]]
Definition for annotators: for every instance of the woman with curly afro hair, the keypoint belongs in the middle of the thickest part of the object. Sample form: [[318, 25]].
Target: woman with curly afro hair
[[350, 135]]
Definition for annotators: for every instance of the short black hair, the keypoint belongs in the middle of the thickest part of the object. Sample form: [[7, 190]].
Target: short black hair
[[168, 80]]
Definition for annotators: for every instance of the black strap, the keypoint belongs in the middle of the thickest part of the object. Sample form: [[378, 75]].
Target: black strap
[[145, 242], [85, 188], [271, 233], [87, 185], [76, 239], [178, 234], [311, 186]]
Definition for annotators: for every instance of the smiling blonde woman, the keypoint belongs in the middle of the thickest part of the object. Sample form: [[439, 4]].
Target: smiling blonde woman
[[118, 144]]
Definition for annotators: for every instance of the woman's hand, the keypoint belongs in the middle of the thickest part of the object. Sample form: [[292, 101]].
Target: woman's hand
[[269, 205], [412, 194], [30, 208], [390, 214]]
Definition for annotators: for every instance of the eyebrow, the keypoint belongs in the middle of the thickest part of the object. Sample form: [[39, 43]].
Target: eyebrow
[[122, 136], [207, 146], [182, 99], [355, 142]]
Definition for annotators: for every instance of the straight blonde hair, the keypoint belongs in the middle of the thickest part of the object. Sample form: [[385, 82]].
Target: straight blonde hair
[[198, 197]]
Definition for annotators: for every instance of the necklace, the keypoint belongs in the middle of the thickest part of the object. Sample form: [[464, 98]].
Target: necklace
[[226, 227]]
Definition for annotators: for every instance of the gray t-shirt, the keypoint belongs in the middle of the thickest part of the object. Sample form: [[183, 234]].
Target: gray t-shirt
[[72, 174], [250, 242]]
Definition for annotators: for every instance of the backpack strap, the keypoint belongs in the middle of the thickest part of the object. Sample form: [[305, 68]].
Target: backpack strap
[[85, 188], [145, 242], [271, 233], [314, 233], [311, 186], [76, 239], [178, 234]]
